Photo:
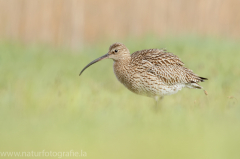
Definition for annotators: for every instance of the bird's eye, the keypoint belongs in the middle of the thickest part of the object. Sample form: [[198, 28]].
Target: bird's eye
[[115, 50]]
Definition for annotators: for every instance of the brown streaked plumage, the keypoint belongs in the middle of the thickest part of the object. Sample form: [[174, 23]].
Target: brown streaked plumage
[[153, 72]]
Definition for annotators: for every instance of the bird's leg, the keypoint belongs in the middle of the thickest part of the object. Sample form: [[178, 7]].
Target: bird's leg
[[157, 99]]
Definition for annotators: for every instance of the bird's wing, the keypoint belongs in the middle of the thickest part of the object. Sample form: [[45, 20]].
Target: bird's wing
[[166, 66], [157, 57]]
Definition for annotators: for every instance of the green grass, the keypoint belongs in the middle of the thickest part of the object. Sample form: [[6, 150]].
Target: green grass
[[45, 105]]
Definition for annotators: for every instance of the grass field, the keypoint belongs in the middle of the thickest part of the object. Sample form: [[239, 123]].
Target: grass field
[[46, 106]]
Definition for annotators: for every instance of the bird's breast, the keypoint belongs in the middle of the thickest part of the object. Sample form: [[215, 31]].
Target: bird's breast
[[124, 75]]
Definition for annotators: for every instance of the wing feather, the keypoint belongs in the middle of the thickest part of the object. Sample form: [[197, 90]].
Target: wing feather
[[165, 65]]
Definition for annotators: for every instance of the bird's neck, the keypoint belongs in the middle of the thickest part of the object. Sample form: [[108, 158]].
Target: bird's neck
[[121, 67], [122, 62]]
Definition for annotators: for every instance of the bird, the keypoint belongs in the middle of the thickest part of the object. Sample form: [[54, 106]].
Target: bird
[[151, 72]]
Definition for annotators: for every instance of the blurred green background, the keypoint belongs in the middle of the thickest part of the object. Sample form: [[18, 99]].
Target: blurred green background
[[45, 105]]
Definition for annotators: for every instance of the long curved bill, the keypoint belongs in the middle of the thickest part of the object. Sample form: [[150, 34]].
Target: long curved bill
[[93, 62]]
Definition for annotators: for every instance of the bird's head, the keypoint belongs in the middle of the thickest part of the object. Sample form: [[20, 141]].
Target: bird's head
[[117, 51]]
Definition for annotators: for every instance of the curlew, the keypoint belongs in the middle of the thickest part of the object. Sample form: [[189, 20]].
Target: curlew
[[152, 72]]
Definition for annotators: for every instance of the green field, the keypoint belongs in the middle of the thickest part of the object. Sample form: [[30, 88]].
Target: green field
[[45, 105]]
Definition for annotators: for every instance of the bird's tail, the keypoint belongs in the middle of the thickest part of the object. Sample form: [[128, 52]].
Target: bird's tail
[[202, 79], [194, 84]]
